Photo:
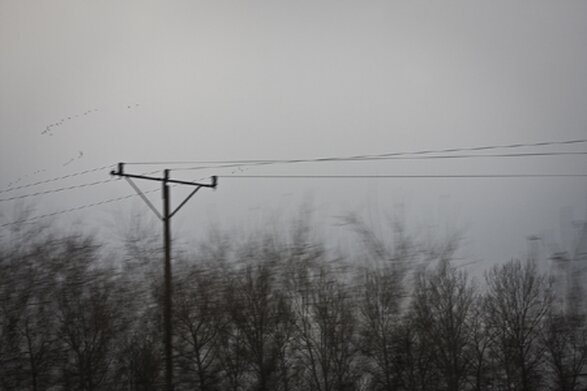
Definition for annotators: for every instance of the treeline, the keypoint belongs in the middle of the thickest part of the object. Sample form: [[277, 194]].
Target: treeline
[[278, 314]]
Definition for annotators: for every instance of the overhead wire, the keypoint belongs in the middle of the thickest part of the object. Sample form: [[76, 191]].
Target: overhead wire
[[366, 156], [467, 156], [219, 164], [111, 200], [60, 189], [253, 163], [66, 188], [400, 176], [77, 208], [74, 209], [84, 172]]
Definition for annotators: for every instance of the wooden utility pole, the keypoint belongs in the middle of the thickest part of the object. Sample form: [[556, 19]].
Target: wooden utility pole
[[166, 218]]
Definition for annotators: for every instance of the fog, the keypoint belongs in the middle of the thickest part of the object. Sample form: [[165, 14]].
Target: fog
[[89, 84]]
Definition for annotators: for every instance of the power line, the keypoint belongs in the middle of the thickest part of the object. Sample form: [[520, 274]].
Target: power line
[[75, 209], [57, 178], [261, 162], [382, 157], [466, 156], [408, 176], [370, 156], [251, 163], [60, 189], [432, 176], [66, 188]]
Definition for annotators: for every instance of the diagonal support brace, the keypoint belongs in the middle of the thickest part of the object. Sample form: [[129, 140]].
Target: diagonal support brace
[[185, 201], [140, 193]]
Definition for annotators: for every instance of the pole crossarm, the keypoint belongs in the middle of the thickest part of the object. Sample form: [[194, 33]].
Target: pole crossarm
[[121, 173], [165, 180], [174, 181]]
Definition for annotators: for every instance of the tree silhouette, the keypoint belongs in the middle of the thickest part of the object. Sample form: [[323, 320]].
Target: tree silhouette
[[516, 306]]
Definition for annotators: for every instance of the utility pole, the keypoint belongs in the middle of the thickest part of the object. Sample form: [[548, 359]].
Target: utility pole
[[166, 218]]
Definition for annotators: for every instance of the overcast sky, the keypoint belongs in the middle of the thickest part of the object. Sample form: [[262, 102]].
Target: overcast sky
[[85, 84]]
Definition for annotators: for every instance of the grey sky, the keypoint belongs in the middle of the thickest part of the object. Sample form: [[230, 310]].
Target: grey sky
[[177, 80]]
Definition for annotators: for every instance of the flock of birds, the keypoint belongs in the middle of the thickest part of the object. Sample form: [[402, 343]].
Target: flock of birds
[[51, 127], [49, 131]]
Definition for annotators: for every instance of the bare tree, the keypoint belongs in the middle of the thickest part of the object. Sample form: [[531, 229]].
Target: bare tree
[[482, 367], [141, 363], [443, 316], [326, 324], [87, 315], [565, 340], [262, 315], [380, 316], [38, 329], [16, 294], [138, 345], [414, 359], [27, 327], [231, 342], [197, 326], [516, 308]]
